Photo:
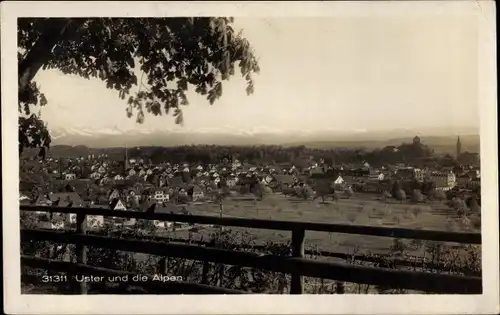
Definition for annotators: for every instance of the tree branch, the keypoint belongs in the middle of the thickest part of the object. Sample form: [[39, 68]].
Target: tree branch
[[40, 52]]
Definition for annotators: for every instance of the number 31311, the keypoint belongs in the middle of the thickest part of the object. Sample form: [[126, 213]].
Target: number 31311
[[47, 279]]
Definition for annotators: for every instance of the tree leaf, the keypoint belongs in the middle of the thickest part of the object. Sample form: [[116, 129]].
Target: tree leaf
[[43, 100]]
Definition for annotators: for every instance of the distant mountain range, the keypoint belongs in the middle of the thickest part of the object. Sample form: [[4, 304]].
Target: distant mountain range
[[114, 137]]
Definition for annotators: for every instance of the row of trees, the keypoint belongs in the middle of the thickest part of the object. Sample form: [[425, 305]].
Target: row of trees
[[299, 155], [400, 190]]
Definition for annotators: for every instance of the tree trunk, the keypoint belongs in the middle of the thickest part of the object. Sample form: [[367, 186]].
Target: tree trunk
[[39, 54]]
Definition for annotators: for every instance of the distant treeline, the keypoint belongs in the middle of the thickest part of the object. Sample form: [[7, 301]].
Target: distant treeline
[[415, 153]]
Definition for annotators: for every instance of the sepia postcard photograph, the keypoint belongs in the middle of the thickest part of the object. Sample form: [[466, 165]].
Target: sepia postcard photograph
[[249, 157]]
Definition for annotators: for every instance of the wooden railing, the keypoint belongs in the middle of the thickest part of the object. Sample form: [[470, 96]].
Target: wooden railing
[[295, 264]]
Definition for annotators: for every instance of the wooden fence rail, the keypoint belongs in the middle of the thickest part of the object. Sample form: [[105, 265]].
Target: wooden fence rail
[[383, 259], [296, 265], [429, 235]]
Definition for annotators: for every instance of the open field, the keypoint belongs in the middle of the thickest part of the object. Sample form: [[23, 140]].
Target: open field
[[362, 209]]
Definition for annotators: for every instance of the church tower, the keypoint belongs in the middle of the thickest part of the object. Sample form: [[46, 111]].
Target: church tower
[[459, 147], [416, 140]]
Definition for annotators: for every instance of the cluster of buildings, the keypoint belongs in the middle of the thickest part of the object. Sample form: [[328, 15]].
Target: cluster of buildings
[[133, 184]]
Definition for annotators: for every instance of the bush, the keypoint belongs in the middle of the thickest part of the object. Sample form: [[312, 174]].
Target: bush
[[416, 211], [476, 221], [386, 195], [439, 195], [396, 219], [351, 217], [417, 196], [400, 195], [349, 192], [398, 246]]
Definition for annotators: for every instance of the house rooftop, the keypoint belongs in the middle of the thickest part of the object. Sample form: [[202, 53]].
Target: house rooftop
[[113, 202], [66, 198], [175, 182], [284, 179]]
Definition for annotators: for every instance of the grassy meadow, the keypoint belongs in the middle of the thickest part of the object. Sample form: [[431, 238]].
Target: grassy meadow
[[361, 209]]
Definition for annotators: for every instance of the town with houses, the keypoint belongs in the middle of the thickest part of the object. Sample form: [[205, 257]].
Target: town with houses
[[136, 184]]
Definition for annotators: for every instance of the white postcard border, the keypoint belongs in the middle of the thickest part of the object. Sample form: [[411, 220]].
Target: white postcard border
[[16, 303]]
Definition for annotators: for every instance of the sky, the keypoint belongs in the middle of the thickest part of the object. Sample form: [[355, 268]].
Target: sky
[[335, 73]]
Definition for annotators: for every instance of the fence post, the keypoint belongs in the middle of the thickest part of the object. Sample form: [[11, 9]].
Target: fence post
[[339, 287], [205, 271], [163, 265], [81, 249], [297, 251]]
